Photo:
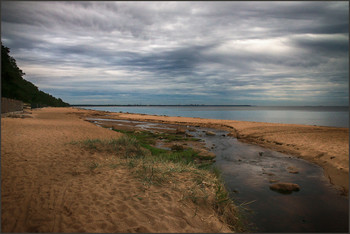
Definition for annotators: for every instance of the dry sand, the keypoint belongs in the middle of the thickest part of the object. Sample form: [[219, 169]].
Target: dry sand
[[47, 185], [326, 146]]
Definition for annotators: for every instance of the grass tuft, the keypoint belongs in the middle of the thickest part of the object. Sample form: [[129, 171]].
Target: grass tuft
[[126, 144], [92, 165]]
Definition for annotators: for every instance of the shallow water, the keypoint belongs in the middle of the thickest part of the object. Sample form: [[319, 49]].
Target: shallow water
[[317, 207], [337, 116], [140, 124]]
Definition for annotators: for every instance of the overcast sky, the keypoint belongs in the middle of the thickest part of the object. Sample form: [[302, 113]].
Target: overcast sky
[[258, 53]]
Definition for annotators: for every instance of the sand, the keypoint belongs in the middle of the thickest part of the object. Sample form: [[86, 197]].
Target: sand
[[326, 146], [47, 185]]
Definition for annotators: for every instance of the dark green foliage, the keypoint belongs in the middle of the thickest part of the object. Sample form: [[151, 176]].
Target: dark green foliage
[[15, 87]]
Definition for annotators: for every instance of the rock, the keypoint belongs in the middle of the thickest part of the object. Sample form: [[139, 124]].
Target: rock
[[292, 170], [206, 154], [209, 133], [286, 188], [268, 173]]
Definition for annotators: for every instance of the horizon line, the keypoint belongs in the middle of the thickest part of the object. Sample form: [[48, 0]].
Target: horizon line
[[208, 105]]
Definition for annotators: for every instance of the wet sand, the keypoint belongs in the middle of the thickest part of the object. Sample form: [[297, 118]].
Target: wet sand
[[47, 185], [326, 146]]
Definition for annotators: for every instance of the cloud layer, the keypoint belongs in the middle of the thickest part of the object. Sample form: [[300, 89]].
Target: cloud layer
[[260, 53]]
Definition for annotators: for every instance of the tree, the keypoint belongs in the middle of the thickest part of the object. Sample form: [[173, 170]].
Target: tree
[[14, 86]]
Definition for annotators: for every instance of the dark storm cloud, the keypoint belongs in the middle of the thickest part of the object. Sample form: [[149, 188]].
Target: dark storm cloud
[[292, 53], [330, 46]]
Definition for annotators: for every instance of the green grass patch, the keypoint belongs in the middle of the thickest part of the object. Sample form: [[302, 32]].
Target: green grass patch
[[170, 137], [148, 137], [186, 156], [154, 150], [129, 146]]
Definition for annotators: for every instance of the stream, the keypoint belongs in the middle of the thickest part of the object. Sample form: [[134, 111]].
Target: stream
[[248, 171], [317, 207]]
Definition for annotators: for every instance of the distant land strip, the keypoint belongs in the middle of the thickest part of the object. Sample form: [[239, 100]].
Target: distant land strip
[[159, 105]]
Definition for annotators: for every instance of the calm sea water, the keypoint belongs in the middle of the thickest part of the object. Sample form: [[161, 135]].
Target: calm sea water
[[336, 116]]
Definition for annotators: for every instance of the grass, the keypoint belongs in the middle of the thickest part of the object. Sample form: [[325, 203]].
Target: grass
[[177, 148], [159, 167], [147, 137], [126, 144], [147, 140], [197, 196], [93, 165]]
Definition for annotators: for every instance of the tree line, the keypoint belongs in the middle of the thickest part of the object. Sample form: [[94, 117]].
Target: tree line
[[14, 86]]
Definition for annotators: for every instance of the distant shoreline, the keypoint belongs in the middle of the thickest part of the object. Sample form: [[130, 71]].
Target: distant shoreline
[[162, 105], [316, 115], [199, 105]]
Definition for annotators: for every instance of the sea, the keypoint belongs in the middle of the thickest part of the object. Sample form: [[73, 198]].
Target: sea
[[333, 116]]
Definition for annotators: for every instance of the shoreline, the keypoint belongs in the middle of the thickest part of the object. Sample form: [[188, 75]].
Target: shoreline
[[327, 147]]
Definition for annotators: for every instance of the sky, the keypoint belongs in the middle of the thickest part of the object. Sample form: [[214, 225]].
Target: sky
[[217, 53]]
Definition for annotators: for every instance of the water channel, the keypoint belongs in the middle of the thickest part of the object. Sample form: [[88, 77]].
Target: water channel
[[248, 170]]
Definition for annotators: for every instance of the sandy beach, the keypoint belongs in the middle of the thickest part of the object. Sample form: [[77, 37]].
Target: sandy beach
[[47, 185]]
